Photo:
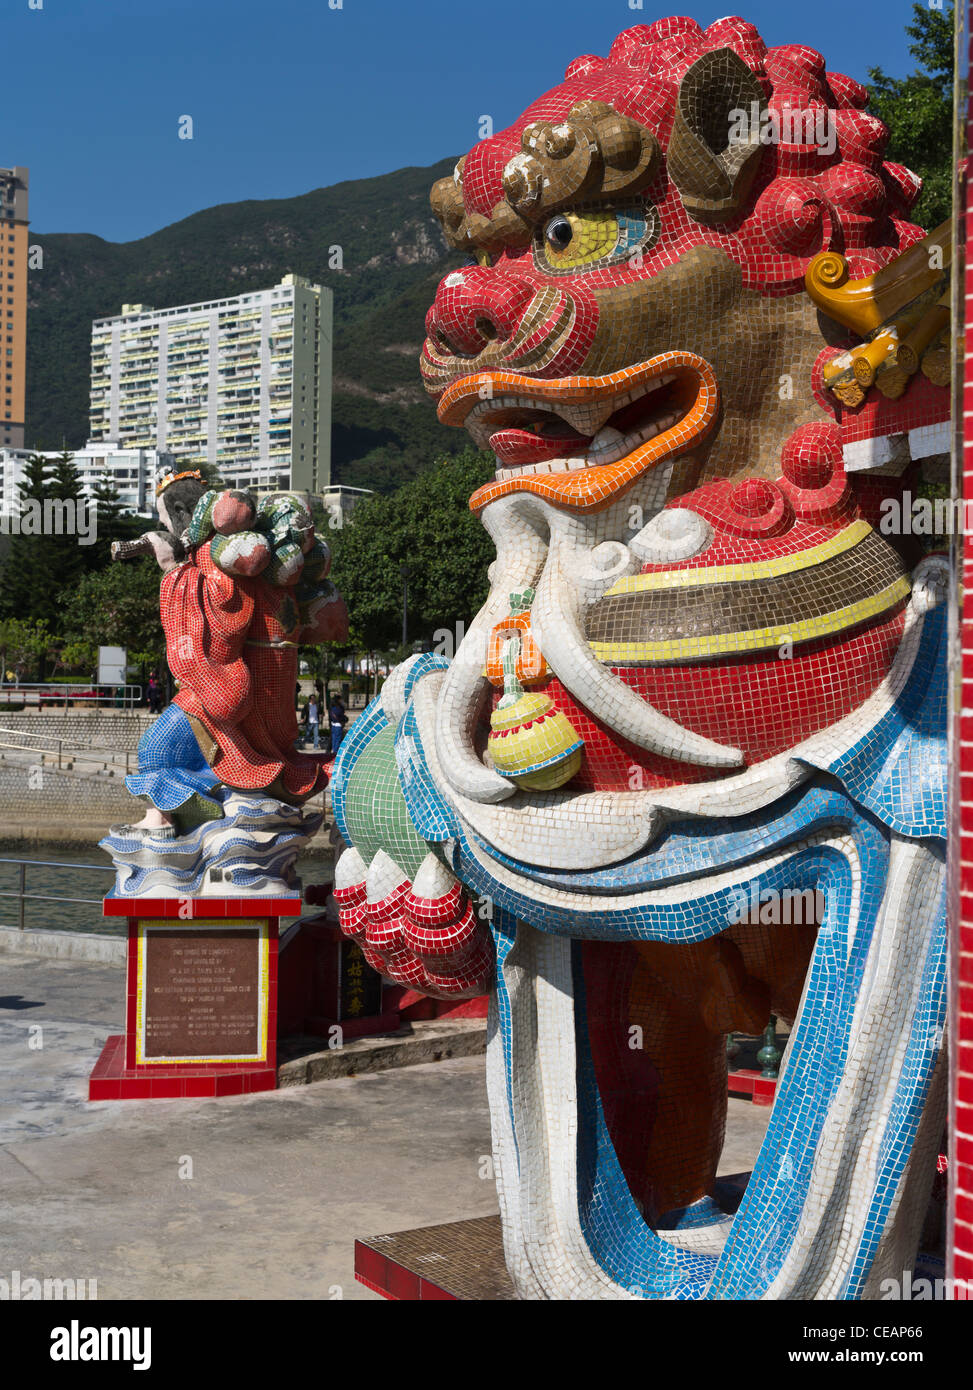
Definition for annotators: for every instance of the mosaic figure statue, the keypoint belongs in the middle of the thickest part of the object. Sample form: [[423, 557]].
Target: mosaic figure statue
[[243, 584], [709, 352]]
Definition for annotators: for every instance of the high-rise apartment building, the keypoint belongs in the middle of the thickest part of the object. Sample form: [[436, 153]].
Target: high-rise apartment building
[[133, 473], [13, 304], [241, 383]]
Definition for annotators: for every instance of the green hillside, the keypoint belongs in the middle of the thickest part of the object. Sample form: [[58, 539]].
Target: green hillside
[[393, 253]]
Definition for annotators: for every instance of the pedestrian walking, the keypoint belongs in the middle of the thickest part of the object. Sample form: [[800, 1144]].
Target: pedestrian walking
[[337, 719], [154, 694], [313, 720]]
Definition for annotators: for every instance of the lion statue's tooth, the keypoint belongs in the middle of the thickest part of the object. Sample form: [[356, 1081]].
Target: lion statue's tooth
[[674, 534]]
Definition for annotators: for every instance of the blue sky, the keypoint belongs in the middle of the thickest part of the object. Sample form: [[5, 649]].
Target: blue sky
[[290, 95]]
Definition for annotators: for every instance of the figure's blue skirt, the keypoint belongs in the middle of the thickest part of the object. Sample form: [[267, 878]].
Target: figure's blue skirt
[[172, 768]]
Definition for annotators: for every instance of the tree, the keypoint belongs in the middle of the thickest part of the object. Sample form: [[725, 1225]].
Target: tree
[[63, 535], [427, 526], [918, 111], [77, 655], [210, 473], [114, 522], [22, 643], [119, 606], [44, 556]]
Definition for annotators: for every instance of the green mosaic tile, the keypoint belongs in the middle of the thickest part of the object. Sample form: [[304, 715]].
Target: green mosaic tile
[[376, 810]]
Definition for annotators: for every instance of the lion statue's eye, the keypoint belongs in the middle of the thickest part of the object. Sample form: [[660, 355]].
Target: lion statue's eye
[[558, 233], [583, 238]]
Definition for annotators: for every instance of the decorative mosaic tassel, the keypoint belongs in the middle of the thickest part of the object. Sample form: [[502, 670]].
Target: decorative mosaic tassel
[[530, 741]]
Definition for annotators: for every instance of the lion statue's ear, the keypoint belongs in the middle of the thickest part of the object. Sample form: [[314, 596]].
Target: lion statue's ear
[[714, 149]]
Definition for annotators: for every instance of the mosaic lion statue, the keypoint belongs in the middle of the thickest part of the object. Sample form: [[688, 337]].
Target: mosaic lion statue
[[710, 354]]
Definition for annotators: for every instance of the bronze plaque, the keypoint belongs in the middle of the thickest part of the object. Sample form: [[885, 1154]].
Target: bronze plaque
[[203, 994]]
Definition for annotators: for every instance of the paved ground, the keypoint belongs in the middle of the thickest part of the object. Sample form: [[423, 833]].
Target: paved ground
[[281, 1183]]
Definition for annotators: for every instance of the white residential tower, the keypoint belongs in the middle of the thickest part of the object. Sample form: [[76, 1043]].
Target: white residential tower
[[242, 383]]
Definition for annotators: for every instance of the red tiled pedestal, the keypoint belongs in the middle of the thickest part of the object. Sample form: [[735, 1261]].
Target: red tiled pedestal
[[752, 1085], [459, 1261], [201, 999]]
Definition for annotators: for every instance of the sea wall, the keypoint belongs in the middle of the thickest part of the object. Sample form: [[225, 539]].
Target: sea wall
[[79, 728], [41, 803]]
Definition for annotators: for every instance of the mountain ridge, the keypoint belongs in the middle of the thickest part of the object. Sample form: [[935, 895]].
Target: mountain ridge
[[384, 428]]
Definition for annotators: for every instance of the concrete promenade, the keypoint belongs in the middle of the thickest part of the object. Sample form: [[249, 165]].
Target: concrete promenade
[[281, 1184]]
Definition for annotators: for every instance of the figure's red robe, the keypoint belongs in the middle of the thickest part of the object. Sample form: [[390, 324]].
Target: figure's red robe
[[231, 642]]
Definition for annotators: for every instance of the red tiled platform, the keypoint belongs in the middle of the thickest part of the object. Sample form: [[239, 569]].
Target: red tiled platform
[[752, 1085], [187, 909], [462, 1260], [127, 1069], [112, 1080]]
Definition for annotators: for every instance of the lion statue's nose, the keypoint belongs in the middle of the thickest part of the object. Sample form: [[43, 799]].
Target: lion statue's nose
[[474, 307]]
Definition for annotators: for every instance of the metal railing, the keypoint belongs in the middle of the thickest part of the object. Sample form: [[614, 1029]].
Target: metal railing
[[22, 895], [70, 753], [41, 693]]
